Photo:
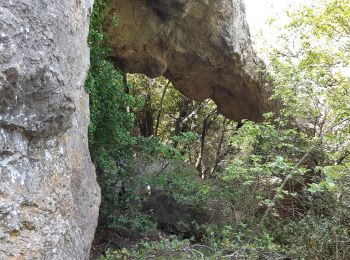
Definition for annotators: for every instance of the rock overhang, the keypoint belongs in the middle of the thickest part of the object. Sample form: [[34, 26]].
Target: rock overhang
[[203, 47]]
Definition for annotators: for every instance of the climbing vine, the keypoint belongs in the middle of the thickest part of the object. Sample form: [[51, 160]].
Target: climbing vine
[[111, 123]]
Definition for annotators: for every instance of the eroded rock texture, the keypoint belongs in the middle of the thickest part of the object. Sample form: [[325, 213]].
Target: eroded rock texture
[[49, 197], [202, 46]]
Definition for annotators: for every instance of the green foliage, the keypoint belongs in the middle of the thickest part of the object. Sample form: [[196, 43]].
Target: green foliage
[[284, 178], [195, 129], [322, 237], [110, 127], [109, 131], [215, 248], [152, 146], [165, 248], [132, 223], [184, 186], [292, 170], [312, 79]]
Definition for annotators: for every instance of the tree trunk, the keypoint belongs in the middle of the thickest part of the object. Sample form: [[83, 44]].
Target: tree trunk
[[205, 128], [160, 110], [218, 150]]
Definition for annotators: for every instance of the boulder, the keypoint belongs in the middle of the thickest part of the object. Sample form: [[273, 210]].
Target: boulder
[[175, 207]]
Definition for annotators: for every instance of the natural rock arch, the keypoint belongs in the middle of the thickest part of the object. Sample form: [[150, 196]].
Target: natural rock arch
[[49, 196], [203, 47]]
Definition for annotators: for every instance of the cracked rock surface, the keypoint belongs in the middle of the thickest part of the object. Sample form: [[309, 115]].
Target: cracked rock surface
[[202, 46], [49, 197]]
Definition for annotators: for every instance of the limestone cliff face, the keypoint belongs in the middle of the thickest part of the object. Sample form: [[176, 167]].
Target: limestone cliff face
[[202, 46], [49, 197]]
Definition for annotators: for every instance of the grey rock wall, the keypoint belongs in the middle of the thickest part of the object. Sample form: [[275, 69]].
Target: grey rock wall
[[49, 197]]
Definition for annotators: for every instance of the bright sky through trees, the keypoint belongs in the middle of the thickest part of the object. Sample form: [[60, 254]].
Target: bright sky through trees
[[260, 11], [264, 36]]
